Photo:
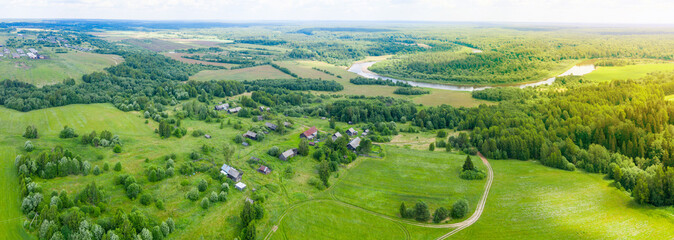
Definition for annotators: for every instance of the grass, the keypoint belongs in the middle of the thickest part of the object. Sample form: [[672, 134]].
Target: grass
[[12, 218], [42, 72], [329, 220], [408, 176], [528, 199], [251, 73], [603, 74]]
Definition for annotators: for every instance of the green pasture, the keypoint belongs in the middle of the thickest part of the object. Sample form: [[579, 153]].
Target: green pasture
[[603, 74]]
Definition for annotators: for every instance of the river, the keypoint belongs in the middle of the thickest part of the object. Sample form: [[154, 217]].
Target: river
[[361, 68]]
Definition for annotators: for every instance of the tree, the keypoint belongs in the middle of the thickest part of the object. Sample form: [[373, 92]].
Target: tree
[[193, 194], [274, 151], [247, 214], [238, 139], [332, 123], [641, 192], [205, 203], [203, 185], [468, 164], [164, 129], [133, 190], [421, 212], [97, 171], [365, 146], [324, 172], [442, 134], [118, 167], [28, 146], [67, 132], [303, 148], [460, 208], [403, 210], [31, 132], [228, 152], [117, 148], [145, 199], [248, 233], [440, 214], [431, 147]]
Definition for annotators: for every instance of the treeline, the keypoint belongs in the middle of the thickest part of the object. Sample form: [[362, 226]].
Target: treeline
[[283, 69], [266, 42], [302, 84], [377, 81], [504, 93], [200, 50], [411, 91]]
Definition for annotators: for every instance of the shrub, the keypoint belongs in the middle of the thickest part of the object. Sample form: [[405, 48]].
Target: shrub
[[442, 134], [202, 185], [133, 190], [97, 171], [421, 212], [160, 204], [117, 149], [106, 166], [460, 208], [472, 175], [213, 197], [28, 146], [67, 132], [31, 132], [193, 194], [205, 203], [274, 151], [118, 167], [145, 199], [440, 214]]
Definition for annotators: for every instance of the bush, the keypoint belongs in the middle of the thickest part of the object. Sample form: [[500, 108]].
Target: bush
[[97, 171], [160, 204], [203, 185], [67, 132], [197, 133], [28, 146], [31, 132], [106, 166], [440, 214], [117, 149], [205, 203], [274, 151], [421, 212], [145, 199], [460, 208], [472, 175], [193, 194], [213, 197], [118, 167], [133, 190]]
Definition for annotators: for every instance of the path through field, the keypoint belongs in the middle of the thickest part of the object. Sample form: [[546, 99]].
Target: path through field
[[456, 226]]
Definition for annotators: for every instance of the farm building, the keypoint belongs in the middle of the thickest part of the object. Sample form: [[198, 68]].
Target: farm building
[[351, 132], [234, 110], [264, 169], [32, 55], [288, 154], [222, 107], [240, 186], [271, 126], [309, 134], [336, 136], [231, 172], [251, 135], [353, 145]]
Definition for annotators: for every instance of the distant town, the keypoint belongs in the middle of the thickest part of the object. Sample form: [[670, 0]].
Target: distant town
[[32, 53]]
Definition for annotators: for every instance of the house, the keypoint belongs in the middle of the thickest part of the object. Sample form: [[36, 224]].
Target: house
[[312, 144], [251, 201], [264, 169], [336, 136], [231, 172], [287, 124], [251, 135], [245, 144], [207, 136], [351, 132], [309, 134], [15, 55], [222, 107], [32, 50], [234, 110], [271, 126], [32, 55], [262, 109], [353, 145], [260, 118], [240, 186], [288, 154]]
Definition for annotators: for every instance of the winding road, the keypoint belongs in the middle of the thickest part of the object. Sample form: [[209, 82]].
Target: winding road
[[456, 226]]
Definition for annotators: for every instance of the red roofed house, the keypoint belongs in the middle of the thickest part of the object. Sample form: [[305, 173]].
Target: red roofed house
[[309, 134]]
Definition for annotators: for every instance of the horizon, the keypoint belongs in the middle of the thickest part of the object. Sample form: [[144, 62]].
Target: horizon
[[652, 12]]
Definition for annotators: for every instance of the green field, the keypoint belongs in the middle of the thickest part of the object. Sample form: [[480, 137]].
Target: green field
[[603, 74], [406, 175], [528, 199], [42, 72], [251, 73]]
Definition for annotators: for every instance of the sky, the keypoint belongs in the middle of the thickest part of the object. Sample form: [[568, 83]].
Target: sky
[[541, 11]]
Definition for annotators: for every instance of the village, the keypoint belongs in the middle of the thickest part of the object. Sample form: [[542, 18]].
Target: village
[[311, 135]]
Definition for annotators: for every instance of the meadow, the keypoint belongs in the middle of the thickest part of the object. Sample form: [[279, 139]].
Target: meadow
[[251, 73], [603, 74], [42, 72]]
